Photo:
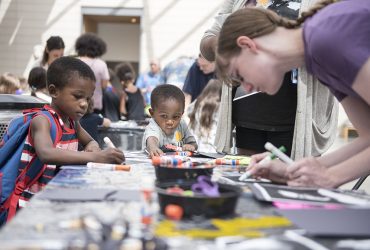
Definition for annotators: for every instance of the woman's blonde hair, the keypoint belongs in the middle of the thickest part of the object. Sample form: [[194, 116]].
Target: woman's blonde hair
[[252, 22]]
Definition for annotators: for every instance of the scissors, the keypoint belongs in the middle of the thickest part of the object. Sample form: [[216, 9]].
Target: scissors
[[205, 186]]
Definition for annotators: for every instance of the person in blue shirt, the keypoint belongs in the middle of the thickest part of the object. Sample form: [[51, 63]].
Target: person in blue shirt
[[197, 78], [146, 82]]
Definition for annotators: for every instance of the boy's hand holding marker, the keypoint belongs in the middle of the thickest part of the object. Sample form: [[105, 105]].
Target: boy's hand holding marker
[[262, 166], [110, 154]]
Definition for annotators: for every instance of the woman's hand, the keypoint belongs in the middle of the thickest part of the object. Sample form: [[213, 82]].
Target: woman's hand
[[275, 170], [308, 172]]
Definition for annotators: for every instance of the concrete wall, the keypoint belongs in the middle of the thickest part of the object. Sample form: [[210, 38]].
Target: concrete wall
[[168, 28]]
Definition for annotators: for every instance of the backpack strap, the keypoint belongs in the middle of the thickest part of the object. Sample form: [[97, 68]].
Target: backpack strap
[[32, 172]]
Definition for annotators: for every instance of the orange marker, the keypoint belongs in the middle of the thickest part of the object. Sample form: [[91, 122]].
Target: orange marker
[[232, 162], [107, 166]]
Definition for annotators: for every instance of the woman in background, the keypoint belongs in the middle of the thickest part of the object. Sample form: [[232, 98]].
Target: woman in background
[[90, 48], [54, 49]]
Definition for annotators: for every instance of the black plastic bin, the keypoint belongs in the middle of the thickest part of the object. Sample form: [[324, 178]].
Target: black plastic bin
[[199, 205]]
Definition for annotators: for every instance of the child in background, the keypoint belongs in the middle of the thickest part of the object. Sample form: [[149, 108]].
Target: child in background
[[203, 114], [90, 121], [9, 83], [71, 85], [112, 97], [167, 125], [37, 82], [132, 104]]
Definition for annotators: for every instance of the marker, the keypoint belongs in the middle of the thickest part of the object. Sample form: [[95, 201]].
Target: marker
[[107, 166], [265, 160], [180, 153], [232, 162], [278, 153], [109, 142]]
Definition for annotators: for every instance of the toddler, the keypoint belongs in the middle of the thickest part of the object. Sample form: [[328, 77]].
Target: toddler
[[166, 125]]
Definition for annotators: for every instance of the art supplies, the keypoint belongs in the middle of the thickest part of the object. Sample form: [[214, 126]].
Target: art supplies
[[243, 160], [265, 160], [205, 186], [222, 161], [180, 153], [280, 193], [283, 157], [107, 166], [208, 199], [171, 161], [109, 142], [247, 227]]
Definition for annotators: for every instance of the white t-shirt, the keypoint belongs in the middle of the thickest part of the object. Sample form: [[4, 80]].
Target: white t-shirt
[[153, 129]]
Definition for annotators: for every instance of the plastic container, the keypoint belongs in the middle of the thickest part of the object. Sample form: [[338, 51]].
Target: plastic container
[[168, 174], [199, 205]]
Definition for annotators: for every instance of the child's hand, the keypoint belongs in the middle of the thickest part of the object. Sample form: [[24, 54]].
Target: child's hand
[[110, 155], [154, 151], [92, 146], [188, 147]]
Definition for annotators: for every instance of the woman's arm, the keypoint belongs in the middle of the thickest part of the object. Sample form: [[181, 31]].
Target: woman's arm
[[359, 114], [345, 164]]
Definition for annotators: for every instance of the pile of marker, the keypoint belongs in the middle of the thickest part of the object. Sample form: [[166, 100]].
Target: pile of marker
[[180, 153], [176, 161]]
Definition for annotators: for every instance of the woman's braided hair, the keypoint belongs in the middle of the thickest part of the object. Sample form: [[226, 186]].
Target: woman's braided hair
[[253, 22]]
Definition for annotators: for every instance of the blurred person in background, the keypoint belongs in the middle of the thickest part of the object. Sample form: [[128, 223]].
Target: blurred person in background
[[9, 83], [37, 83], [132, 104], [111, 97], [90, 121], [54, 49], [204, 114], [175, 72], [146, 82], [197, 78], [90, 48]]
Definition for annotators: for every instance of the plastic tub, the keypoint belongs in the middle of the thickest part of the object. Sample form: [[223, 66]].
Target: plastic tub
[[200, 205]]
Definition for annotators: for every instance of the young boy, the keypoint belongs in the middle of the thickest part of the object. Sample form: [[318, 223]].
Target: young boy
[[166, 125], [71, 85]]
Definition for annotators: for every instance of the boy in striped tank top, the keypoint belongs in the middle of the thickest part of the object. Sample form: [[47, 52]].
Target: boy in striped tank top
[[71, 84]]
